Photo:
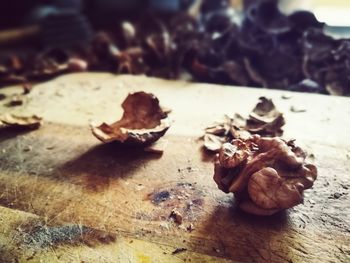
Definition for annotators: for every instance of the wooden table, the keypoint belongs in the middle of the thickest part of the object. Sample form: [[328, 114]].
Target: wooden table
[[65, 197]]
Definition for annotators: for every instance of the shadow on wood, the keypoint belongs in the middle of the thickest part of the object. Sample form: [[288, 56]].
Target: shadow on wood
[[12, 132], [95, 168], [233, 234]]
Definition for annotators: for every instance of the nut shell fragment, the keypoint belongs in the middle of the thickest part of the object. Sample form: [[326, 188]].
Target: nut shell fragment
[[266, 175], [212, 142], [13, 121], [264, 120], [143, 122]]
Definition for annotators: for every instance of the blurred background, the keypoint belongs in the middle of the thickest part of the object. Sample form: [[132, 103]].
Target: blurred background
[[298, 45], [13, 13]]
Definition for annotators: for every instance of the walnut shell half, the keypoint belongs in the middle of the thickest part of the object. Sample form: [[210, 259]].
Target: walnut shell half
[[266, 175], [142, 123]]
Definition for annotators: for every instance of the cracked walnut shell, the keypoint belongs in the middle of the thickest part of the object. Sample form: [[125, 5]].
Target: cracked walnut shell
[[143, 122]]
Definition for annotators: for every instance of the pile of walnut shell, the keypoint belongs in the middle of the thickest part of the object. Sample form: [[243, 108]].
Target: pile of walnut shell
[[266, 175]]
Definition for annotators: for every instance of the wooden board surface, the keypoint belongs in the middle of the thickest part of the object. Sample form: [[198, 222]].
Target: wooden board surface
[[65, 197]]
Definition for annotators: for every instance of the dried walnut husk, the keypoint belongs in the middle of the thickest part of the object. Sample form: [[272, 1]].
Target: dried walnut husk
[[143, 122], [266, 175]]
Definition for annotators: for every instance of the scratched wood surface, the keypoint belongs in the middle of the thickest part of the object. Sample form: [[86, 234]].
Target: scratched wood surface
[[65, 197]]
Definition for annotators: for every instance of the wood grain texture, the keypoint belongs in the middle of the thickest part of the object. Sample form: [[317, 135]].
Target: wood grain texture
[[66, 197]]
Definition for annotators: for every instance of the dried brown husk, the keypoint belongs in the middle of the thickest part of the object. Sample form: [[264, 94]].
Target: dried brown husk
[[142, 123], [14, 121]]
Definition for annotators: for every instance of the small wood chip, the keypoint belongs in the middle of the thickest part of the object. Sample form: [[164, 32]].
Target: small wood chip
[[16, 100], [190, 227], [27, 148], [286, 96], [50, 147], [176, 216], [179, 250], [297, 109]]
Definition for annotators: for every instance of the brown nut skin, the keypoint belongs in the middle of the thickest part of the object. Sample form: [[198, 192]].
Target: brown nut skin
[[266, 175]]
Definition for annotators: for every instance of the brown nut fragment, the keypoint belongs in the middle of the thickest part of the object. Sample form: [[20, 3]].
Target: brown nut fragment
[[264, 120], [13, 121], [143, 122], [212, 142], [266, 175]]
